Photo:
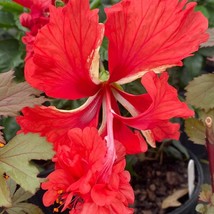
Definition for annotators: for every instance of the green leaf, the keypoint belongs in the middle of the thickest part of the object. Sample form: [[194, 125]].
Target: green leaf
[[207, 51], [5, 199], [192, 68], [24, 208], [203, 115], [210, 8], [6, 19], [95, 4], [19, 197], [9, 51], [180, 148], [195, 130], [200, 92], [10, 127], [11, 6], [16, 155]]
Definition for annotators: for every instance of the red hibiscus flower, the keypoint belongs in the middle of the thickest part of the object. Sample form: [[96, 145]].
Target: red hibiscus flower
[[145, 38], [35, 20], [79, 182]]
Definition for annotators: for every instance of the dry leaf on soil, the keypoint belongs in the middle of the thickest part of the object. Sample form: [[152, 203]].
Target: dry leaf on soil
[[172, 200]]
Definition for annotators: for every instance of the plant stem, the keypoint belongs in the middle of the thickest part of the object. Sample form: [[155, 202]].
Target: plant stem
[[210, 147]]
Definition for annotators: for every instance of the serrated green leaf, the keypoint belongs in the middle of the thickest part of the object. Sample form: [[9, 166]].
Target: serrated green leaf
[[195, 130], [15, 96], [16, 155], [203, 115], [5, 199], [19, 197], [25, 208], [200, 92], [18, 202]]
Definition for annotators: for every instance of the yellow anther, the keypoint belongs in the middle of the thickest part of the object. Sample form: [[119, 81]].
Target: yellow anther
[[60, 192], [57, 201], [56, 210], [2, 144], [6, 176]]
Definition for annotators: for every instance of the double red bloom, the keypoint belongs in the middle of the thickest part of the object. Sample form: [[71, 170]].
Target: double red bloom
[[145, 38], [79, 182]]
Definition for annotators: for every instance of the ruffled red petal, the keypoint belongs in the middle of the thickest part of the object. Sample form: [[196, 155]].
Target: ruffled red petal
[[66, 52], [153, 34], [164, 105]]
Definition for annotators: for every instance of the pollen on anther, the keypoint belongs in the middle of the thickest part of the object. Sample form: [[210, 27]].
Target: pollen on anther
[[2, 144], [60, 192], [6, 176], [56, 210]]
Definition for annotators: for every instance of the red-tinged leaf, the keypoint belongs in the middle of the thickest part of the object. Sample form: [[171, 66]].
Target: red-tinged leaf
[[164, 105], [65, 64], [151, 35], [15, 96], [54, 123]]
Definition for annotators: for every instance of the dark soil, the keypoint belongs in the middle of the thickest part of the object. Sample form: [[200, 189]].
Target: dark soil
[[155, 181]]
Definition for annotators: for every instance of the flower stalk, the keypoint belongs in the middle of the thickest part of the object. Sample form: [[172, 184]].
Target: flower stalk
[[210, 147]]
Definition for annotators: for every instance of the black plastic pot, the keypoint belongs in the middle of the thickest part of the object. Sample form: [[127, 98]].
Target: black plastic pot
[[188, 207]]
